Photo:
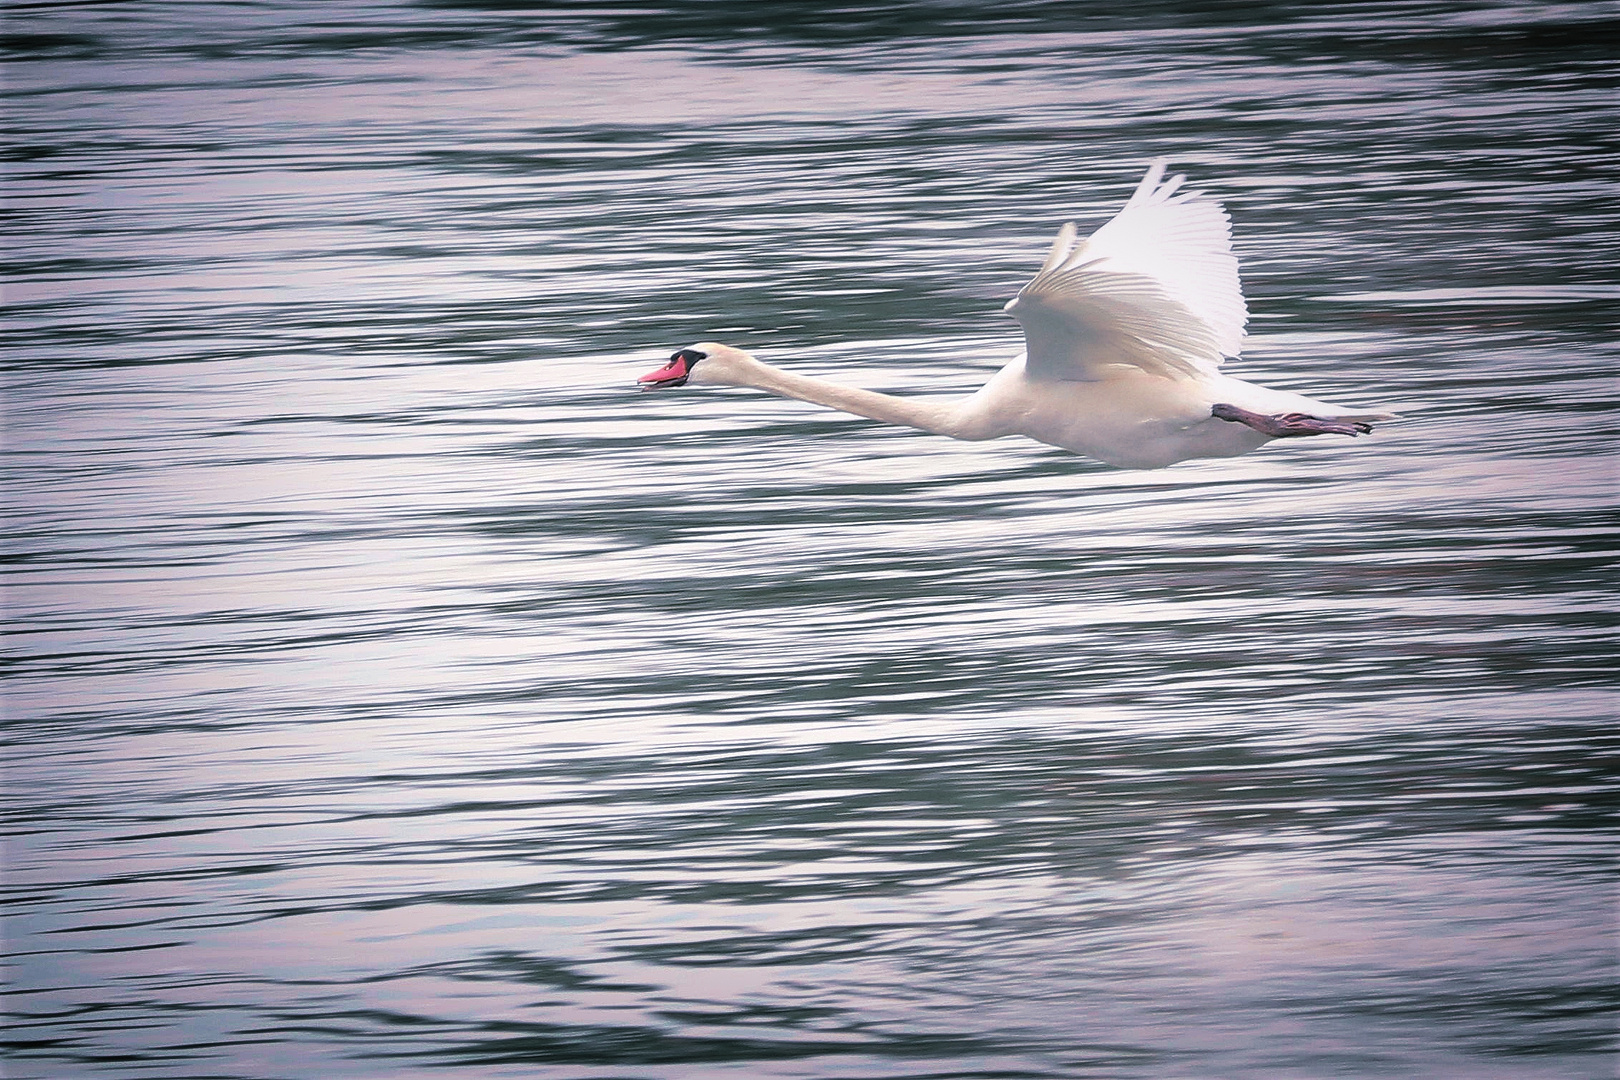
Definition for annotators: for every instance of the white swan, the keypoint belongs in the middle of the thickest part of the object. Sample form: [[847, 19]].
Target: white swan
[[1124, 335]]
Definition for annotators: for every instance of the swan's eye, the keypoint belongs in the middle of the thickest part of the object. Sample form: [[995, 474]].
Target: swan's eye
[[691, 356]]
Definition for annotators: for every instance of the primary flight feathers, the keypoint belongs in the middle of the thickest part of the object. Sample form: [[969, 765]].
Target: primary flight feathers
[[1156, 288]]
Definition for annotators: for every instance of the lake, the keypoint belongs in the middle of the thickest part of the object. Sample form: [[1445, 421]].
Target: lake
[[392, 689]]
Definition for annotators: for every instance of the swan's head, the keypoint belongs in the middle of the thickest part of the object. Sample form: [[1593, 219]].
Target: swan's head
[[708, 363]]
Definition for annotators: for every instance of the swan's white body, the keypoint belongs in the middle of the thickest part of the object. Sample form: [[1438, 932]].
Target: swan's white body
[[1124, 337]]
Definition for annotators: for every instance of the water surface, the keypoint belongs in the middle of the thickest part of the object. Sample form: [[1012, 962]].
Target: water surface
[[392, 689]]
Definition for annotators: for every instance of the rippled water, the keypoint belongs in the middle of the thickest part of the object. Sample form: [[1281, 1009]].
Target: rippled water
[[392, 689]]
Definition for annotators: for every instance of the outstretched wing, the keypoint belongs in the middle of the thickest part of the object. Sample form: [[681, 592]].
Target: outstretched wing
[[1155, 288]]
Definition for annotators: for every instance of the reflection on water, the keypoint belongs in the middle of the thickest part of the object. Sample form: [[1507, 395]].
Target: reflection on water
[[393, 688]]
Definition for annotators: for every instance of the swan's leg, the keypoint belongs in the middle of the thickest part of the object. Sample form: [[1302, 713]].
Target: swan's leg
[[1288, 425]]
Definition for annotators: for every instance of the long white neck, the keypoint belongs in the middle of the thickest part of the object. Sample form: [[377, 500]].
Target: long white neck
[[940, 419]]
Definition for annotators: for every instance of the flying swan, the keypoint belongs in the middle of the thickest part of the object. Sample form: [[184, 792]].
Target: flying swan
[[1124, 333]]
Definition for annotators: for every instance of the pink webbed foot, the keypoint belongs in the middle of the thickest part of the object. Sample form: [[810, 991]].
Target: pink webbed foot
[[1289, 425]]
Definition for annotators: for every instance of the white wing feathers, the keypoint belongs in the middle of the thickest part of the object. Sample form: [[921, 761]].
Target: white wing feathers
[[1155, 288]]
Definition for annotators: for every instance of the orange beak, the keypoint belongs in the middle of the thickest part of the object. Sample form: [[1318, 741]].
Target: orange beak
[[674, 373]]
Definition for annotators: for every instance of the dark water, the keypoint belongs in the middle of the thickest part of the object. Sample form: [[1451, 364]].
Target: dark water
[[392, 690]]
